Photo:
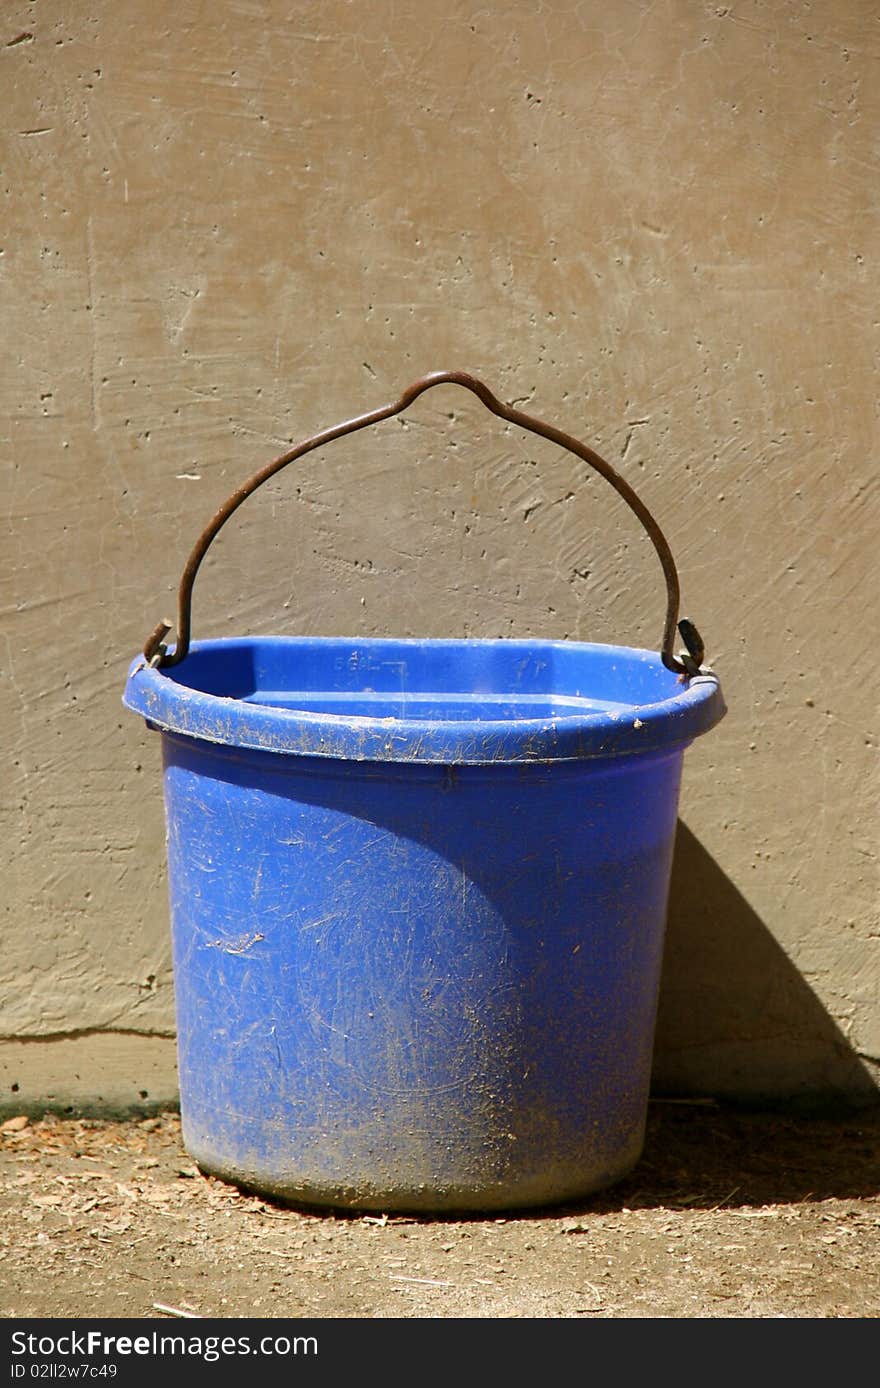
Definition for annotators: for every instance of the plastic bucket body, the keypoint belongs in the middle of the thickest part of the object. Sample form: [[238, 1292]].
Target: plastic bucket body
[[418, 893]]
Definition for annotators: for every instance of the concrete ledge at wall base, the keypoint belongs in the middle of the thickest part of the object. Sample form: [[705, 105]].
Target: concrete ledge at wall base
[[99, 1074], [753, 1076], [120, 1074]]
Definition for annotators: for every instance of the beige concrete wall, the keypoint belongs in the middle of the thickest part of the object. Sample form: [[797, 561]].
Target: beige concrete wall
[[226, 225]]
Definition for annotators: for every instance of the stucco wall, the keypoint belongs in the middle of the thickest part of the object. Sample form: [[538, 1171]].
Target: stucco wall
[[226, 225]]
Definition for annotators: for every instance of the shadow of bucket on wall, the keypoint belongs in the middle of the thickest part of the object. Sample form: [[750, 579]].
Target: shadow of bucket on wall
[[418, 893]]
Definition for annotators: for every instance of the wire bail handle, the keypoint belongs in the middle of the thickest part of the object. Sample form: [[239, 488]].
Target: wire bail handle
[[688, 662]]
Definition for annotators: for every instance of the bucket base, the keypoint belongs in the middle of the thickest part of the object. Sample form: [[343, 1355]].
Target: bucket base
[[549, 1187]]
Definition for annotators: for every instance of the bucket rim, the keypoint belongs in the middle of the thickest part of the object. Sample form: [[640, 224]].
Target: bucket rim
[[689, 706]]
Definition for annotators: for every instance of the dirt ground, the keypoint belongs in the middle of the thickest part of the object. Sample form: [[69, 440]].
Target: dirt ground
[[728, 1214]]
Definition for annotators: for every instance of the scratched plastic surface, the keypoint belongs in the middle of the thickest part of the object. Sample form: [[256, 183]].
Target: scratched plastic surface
[[418, 928]]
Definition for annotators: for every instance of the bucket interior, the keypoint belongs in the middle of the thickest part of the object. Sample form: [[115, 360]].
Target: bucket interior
[[449, 681]]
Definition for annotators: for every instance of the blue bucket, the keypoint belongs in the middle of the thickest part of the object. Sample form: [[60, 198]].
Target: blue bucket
[[418, 892]]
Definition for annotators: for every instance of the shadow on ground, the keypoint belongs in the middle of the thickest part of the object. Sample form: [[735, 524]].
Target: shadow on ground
[[712, 1156]]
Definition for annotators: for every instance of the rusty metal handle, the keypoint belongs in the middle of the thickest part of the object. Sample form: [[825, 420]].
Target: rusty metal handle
[[157, 654]]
